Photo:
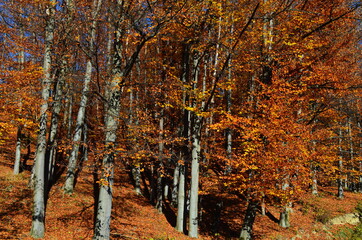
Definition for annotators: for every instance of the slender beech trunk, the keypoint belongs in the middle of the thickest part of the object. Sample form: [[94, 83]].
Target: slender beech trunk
[[17, 152], [160, 172], [54, 121], [180, 220], [175, 181], [68, 110], [181, 198], [314, 172], [70, 114], [314, 181], [186, 132], [77, 137], [58, 96], [113, 96], [340, 193], [216, 65], [133, 121], [194, 188], [195, 159], [136, 175], [84, 149], [19, 132], [353, 186], [263, 205], [268, 28], [359, 162], [37, 229], [247, 229], [228, 132], [284, 220], [103, 218]]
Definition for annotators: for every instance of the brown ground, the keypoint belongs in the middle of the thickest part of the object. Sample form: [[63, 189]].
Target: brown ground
[[71, 217]]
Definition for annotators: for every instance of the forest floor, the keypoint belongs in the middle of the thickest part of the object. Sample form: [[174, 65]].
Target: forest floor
[[71, 217]]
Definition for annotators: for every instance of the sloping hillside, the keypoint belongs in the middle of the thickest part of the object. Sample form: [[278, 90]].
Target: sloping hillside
[[71, 217]]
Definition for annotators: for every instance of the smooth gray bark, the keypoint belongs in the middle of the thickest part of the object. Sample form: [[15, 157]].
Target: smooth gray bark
[[103, 218], [175, 181], [359, 162], [79, 128], [159, 197], [228, 131], [263, 206], [54, 122], [69, 116], [136, 174], [340, 193], [194, 189], [17, 152], [84, 150], [180, 220], [19, 132], [185, 133], [247, 229], [113, 96], [195, 159], [37, 228], [314, 173], [352, 185], [133, 120], [58, 97], [68, 110], [284, 220]]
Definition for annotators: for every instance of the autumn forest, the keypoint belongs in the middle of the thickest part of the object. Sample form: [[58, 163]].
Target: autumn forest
[[260, 100]]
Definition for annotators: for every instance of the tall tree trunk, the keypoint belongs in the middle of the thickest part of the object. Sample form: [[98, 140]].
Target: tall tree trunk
[[185, 133], [228, 132], [194, 188], [352, 186], [77, 137], [84, 149], [247, 229], [69, 116], [136, 175], [56, 108], [160, 172], [284, 220], [268, 28], [228, 92], [19, 133], [103, 219], [175, 181], [37, 229], [133, 121], [314, 170], [340, 193], [58, 96], [180, 220], [111, 122], [68, 110], [195, 158], [113, 96], [359, 162], [17, 152]]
